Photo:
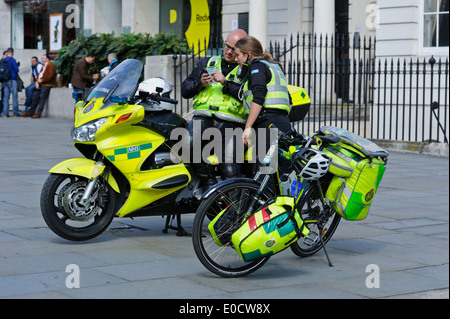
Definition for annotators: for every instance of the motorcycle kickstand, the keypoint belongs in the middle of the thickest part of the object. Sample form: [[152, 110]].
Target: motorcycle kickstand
[[324, 248], [181, 232]]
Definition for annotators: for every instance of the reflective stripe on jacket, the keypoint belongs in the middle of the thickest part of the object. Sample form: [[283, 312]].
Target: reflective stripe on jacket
[[277, 96], [212, 102]]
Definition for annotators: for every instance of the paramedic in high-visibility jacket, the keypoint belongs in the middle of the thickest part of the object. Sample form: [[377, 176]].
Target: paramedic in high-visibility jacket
[[214, 85], [266, 96]]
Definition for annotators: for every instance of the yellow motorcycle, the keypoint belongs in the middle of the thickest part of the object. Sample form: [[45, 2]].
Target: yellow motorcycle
[[128, 168]]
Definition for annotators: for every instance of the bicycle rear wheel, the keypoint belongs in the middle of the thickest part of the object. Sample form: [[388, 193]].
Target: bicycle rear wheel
[[321, 220], [216, 252]]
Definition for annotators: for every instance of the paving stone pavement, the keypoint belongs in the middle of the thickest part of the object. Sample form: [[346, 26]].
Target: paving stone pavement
[[406, 236]]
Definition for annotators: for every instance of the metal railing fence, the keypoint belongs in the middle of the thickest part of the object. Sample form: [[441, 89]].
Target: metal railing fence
[[350, 87]]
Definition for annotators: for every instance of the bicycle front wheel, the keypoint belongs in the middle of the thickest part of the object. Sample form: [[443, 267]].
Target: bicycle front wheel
[[216, 251], [321, 220]]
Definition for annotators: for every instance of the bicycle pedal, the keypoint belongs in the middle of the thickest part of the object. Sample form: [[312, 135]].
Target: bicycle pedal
[[311, 239]]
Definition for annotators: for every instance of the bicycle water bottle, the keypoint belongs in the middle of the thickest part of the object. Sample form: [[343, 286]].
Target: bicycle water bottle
[[295, 191], [285, 185]]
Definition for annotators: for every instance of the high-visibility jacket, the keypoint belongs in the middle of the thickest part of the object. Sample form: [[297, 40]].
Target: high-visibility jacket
[[277, 96], [212, 102]]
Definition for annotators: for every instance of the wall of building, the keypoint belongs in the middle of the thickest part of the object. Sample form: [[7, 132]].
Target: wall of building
[[284, 17], [395, 23], [230, 10], [118, 16], [398, 33], [5, 18]]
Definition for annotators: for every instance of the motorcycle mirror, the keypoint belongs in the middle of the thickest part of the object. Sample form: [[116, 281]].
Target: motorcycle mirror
[[144, 94]]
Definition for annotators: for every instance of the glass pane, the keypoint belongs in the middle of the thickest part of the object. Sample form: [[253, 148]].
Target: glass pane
[[430, 6], [429, 31], [31, 23], [443, 6], [443, 30]]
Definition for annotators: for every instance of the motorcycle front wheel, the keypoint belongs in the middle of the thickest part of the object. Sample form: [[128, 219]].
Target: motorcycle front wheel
[[61, 209], [222, 259]]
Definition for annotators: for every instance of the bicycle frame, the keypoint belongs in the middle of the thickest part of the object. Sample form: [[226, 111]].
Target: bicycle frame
[[307, 185], [275, 175]]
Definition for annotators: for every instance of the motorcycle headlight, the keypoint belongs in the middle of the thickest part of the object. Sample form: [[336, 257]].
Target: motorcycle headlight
[[86, 133]]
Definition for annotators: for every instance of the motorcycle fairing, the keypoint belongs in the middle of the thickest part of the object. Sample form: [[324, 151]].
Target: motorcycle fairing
[[145, 187], [86, 168], [126, 142]]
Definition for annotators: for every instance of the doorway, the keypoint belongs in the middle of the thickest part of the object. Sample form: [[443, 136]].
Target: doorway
[[342, 44]]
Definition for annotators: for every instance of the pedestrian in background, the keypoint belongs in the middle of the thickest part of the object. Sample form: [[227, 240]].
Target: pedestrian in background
[[1, 88], [81, 78], [113, 63], [36, 68], [10, 86], [44, 82]]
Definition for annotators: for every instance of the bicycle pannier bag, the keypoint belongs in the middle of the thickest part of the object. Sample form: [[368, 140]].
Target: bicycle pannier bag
[[220, 227], [270, 230], [352, 197], [359, 166]]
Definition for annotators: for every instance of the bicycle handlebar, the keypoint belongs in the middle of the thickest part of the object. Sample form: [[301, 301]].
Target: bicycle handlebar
[[290, 138], [293, 138]]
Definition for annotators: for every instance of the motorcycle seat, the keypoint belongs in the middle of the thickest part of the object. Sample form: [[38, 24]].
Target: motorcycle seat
[[163, 122]]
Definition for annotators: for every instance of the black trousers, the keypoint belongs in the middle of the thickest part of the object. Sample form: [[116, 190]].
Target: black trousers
[[268, 119], [40, 96], [229, 156]]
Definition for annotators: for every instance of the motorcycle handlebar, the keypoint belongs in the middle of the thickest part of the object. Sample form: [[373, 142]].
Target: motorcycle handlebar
[[166, 99], [156, 97]]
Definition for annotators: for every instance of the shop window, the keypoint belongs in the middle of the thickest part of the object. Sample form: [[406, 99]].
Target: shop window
[[47, 25]]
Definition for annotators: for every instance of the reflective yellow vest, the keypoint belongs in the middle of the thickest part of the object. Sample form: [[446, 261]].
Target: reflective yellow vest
[[212, 102], [277, 96]]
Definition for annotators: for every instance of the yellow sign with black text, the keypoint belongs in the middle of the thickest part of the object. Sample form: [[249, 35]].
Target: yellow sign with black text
[[197, 34]]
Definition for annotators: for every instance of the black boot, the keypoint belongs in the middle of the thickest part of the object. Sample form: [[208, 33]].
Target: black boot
[[229, 171]]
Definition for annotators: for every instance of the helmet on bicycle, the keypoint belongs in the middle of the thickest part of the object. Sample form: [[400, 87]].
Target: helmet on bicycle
[[310, 164]]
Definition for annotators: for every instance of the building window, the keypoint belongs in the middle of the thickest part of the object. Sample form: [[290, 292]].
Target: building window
[[435, 23], [243, 21], [33, 24]]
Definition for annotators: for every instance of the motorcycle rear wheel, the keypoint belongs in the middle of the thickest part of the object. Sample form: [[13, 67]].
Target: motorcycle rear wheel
[[65, 217]]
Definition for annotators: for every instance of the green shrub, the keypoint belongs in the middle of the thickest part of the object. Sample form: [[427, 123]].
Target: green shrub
[[129, 46]]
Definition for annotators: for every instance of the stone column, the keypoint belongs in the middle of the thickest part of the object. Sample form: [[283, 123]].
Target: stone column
[[257, 24]]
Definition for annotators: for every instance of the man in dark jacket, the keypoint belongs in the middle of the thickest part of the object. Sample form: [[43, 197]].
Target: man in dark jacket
[[81, 78], [214, 84]]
